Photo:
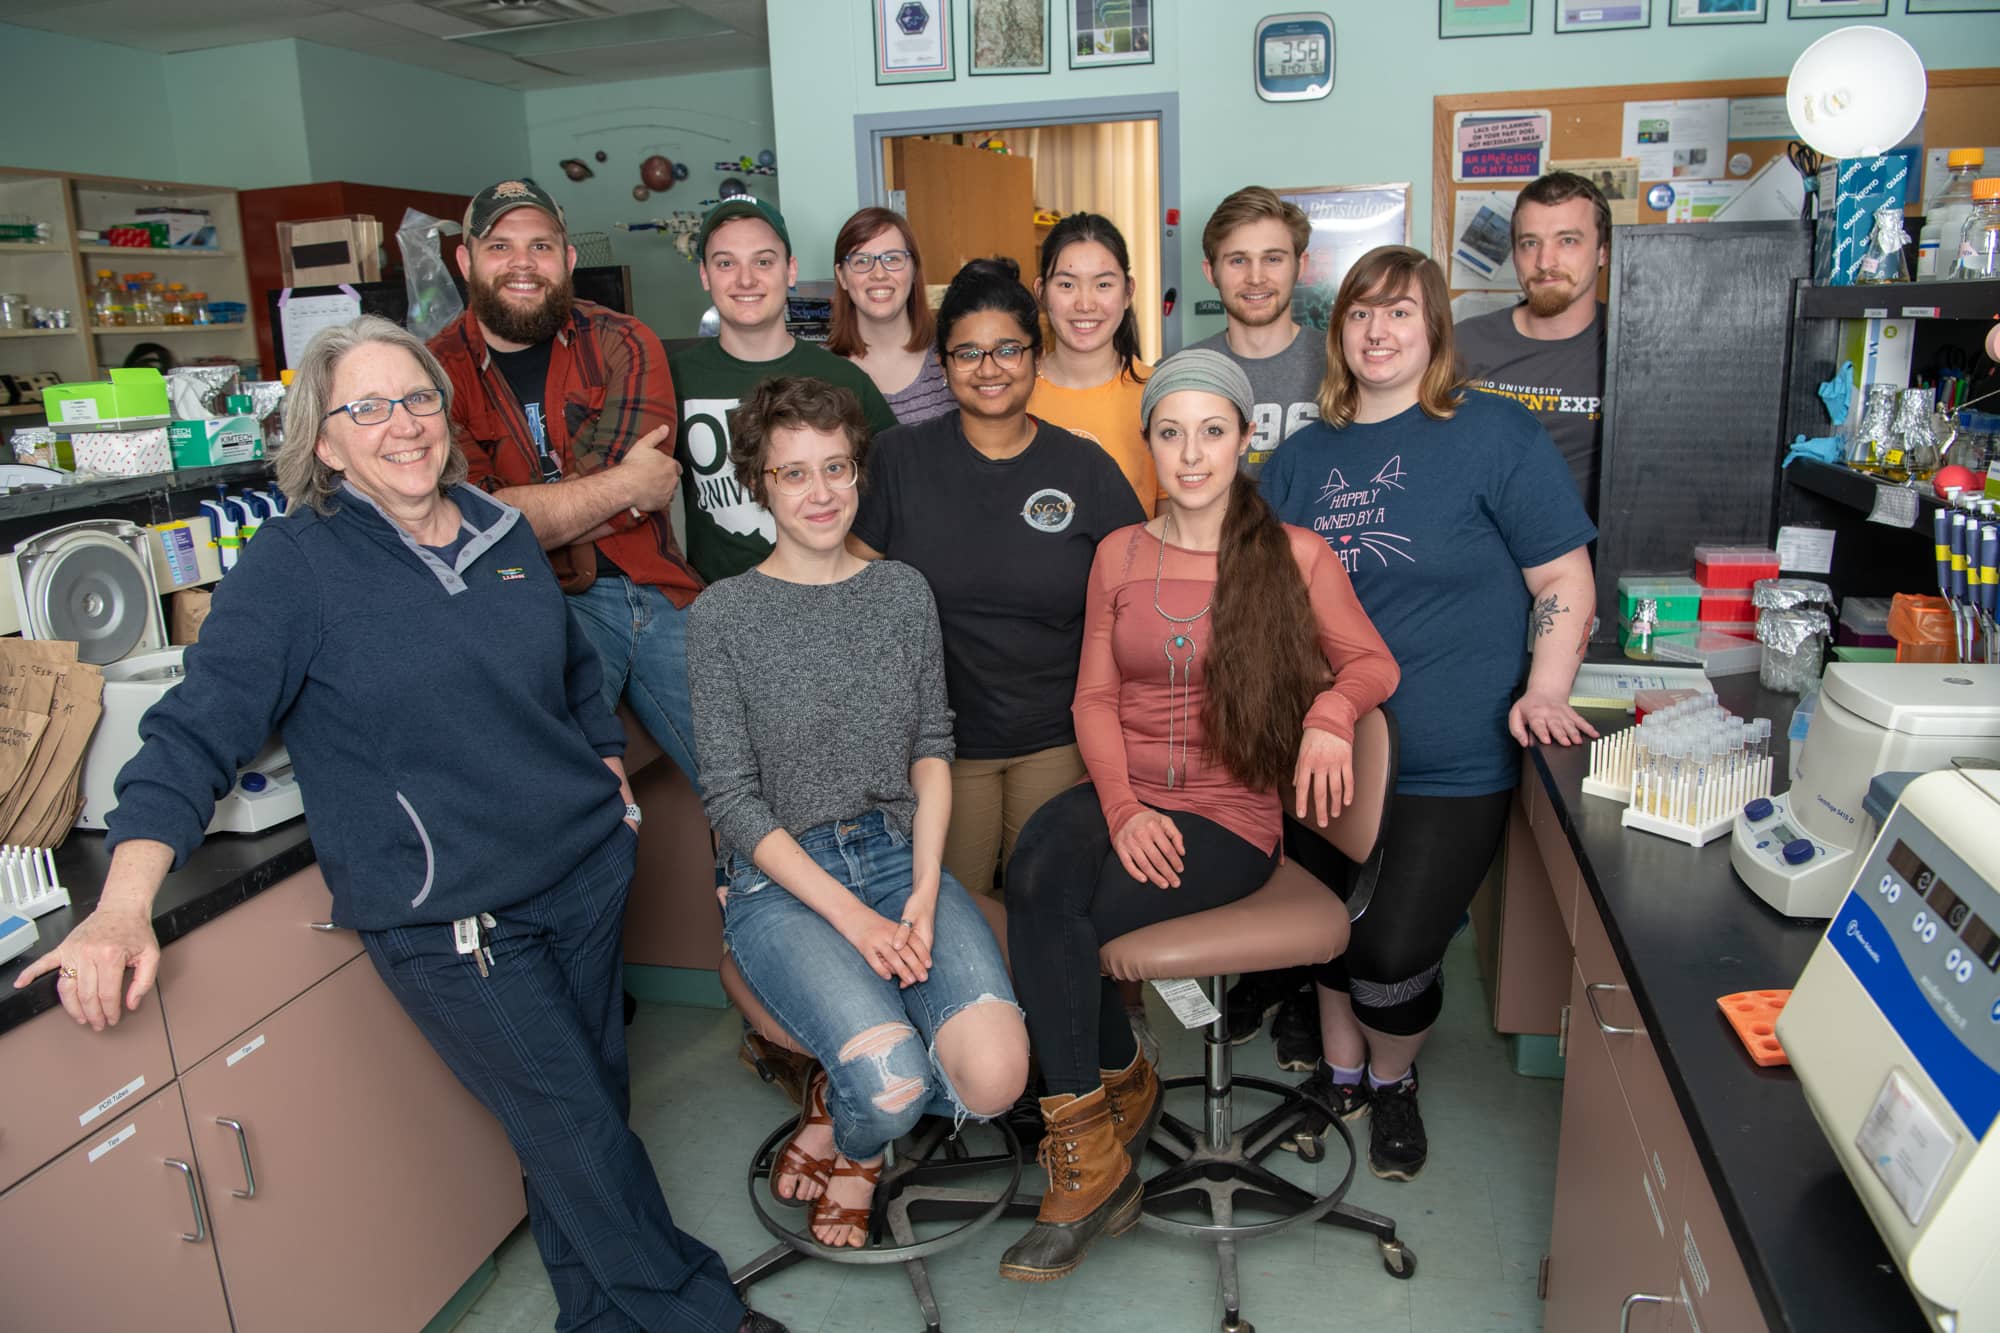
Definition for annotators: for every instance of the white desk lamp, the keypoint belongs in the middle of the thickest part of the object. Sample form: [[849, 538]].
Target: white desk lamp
[[1856, 92]]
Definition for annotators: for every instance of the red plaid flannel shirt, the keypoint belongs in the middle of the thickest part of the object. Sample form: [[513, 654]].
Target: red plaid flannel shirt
[[608, 375]]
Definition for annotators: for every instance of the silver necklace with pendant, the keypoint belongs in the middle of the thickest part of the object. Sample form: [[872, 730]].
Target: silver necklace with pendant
[[1180, 653]]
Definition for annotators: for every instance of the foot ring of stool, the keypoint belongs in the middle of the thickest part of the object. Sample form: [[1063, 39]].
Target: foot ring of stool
[[892, 1180], [1232, 1157]]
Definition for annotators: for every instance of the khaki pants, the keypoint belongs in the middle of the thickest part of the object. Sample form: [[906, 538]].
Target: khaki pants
[[991, 799]]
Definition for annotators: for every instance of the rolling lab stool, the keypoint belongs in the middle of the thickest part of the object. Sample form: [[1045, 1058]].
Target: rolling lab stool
[[920, 1179], [1291, 921]]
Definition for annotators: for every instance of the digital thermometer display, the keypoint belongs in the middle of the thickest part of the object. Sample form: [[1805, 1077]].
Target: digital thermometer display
[[1292, 58]]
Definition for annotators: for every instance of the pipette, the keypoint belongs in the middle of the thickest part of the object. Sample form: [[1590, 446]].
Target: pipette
[[1989, 581], [1941, 546], [1961, 602]]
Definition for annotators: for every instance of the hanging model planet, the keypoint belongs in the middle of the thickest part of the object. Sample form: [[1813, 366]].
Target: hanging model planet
[[657, 172], [732, 189], [641, 193], [577, 169], [600, 155]]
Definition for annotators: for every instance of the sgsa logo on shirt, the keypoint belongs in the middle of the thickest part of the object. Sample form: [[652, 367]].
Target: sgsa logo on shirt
[[1048, 510]]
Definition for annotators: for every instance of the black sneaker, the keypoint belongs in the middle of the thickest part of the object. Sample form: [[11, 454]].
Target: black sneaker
[[1254, 997], [759, 1323], [1348, 1100], [1295, 1032], [1397, 1147]]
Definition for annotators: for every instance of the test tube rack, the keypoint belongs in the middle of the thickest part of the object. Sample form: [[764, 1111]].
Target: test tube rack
[[1691, 800], [29, 886]]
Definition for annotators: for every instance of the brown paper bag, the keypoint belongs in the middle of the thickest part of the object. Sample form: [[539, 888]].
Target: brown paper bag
[[186, 610], [20, 732], [57, 769]]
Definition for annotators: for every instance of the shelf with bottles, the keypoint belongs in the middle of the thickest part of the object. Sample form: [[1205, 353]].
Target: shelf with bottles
[[155, 330], [156, 252], [33, 248], [41, 333], [1938, 298]]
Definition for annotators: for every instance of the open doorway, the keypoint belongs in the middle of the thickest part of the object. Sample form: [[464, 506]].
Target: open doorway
[[999, 191], [1118, 156]]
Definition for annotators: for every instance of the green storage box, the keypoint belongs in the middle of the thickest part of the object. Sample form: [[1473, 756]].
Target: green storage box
[[129, 400], [1678, 596]]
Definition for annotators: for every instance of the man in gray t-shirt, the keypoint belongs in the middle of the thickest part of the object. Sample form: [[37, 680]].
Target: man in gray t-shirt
[[1547, 353], [1251, 250]]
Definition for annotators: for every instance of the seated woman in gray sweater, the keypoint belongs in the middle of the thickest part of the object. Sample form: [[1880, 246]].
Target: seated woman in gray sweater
[[825, 741]]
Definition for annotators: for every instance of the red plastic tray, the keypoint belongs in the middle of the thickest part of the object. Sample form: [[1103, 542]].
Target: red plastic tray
[[1754, 1015]]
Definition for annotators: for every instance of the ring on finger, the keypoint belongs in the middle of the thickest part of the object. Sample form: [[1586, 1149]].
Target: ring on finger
[[67, 971]]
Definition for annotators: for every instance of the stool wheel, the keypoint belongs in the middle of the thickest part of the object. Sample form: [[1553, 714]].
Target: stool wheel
[[1399, 1259]]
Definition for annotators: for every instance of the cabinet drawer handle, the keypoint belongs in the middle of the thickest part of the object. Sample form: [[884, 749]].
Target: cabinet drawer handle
[[322, 925], [1590, 997], [1636, 1298], [249, 1190], [200, 1232]]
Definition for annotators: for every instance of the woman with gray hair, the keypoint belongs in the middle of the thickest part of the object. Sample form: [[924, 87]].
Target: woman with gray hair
[[465, 785]]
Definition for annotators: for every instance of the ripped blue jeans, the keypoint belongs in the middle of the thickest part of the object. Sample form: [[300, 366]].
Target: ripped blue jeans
[[875, 1038]]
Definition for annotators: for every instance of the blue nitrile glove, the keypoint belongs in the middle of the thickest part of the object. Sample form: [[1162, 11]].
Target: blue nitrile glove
[[1838, 392], [1825, 449]]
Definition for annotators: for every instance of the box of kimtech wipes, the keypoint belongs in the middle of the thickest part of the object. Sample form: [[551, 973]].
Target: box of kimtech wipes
[[1850, 190], [215, 440]]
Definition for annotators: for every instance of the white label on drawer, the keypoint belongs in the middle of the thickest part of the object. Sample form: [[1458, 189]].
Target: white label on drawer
[[1687, 1311], [1660, 1170], [243, 1050], [1691, 1255], [111, 1101], [79, 409], [114, 1141], [1659, 1223]]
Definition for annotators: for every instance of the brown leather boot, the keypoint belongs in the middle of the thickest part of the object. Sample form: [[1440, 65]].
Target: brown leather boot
[[1134, 1095], [1093, 1189]]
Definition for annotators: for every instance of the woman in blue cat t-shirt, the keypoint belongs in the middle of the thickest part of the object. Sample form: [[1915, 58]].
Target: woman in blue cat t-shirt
[[1461, 530]]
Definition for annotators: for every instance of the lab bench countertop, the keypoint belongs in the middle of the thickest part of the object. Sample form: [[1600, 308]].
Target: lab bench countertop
[[227, 869], [1687, 931]]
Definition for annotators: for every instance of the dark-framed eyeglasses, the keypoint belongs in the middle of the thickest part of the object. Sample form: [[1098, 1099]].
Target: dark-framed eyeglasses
[[967, 356], [797, 478], [375, 411], [892, 261]]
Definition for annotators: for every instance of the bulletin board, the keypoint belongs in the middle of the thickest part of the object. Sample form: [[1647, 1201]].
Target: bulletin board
[[1963, 111]]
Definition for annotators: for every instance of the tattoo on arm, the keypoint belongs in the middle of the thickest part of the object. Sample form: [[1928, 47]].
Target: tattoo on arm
[[1542, 619]]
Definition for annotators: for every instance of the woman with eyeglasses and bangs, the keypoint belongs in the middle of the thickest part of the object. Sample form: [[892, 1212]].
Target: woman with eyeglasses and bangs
[[824, 739], [1002, 513], [881, 319]]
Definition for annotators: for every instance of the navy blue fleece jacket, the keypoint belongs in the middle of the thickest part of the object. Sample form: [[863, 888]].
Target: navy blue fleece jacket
[[445, 722]]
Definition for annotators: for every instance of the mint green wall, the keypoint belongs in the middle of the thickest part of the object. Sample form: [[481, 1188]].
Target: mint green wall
[[1376, 125], [236, 116], [699, 119], [373, 120], [84, 106]]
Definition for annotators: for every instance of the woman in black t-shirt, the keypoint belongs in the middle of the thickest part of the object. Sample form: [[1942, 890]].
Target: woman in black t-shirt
[[1002, 513]]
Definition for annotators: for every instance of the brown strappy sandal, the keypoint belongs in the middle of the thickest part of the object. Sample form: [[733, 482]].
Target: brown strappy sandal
[[826, 1213], [793, 1160]]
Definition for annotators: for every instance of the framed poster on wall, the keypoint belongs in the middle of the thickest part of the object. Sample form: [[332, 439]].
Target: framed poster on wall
[[1110, 32], [1485, 18], [1008, 37], [1684, 13], [912, 41], [1347, 222], [1953, 7], [1603, 15], [1837, 9]]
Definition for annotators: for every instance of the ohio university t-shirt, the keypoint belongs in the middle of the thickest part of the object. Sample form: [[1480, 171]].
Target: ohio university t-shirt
[[1434, 522], [727, 531], [1560, 380], [1007, 547]]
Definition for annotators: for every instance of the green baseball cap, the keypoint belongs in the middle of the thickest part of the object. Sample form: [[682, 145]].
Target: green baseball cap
[[496, 201], [742, 206]]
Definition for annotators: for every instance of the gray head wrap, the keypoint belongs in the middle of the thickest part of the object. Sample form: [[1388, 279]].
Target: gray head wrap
[[1202, 369]]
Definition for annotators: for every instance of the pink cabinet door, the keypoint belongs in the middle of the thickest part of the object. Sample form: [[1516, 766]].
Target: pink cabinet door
[[1612, 1236], [64, 1081], [99, 1238], [379, 1183]]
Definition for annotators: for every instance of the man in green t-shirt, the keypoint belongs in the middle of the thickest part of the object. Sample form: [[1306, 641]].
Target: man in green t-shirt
[[746, 266]]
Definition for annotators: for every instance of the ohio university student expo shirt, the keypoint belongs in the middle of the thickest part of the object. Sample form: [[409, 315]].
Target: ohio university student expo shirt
[[1559, 380], [1007, 546], [1434, 522], [728, 531]]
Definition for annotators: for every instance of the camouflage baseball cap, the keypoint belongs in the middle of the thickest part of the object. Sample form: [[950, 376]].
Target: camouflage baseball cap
[[496, 201]]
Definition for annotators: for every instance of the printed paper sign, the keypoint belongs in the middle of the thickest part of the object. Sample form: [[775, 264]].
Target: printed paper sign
[[1499, 145]]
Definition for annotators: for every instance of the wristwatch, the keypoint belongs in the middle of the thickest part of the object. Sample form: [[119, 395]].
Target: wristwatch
[[632, 814]]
